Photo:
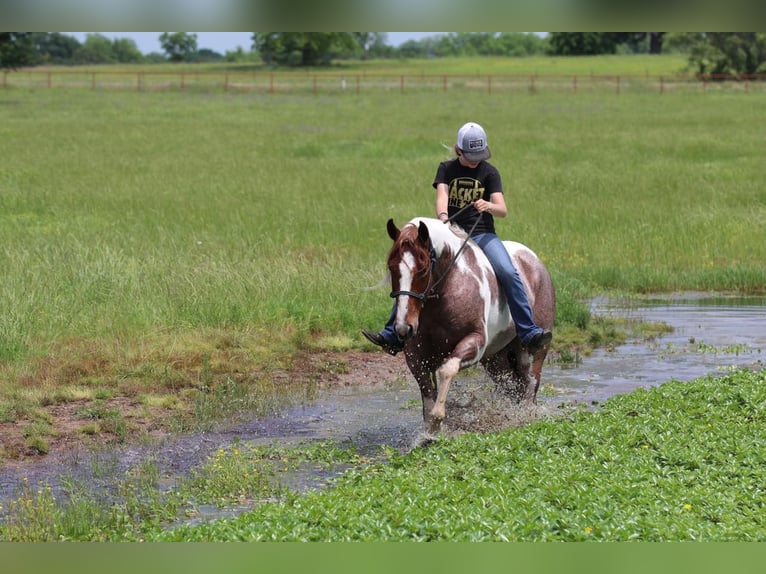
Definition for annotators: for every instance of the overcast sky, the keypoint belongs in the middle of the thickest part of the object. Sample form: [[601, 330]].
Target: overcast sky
[[220, 42]]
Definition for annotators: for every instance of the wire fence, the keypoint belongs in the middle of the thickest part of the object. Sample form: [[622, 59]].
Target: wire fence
[[339, 83]]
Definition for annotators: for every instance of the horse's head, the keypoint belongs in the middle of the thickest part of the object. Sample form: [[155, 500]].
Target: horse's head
[[410, 263]]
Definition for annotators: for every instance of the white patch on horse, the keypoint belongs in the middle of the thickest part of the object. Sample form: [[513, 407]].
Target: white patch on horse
[[406, 270], [444, 376], [517, 251]]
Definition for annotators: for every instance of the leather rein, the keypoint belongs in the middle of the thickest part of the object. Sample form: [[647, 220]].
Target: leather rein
[[431, 287]]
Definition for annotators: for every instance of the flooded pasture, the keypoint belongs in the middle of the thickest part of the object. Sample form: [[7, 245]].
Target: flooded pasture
[[710, 335]]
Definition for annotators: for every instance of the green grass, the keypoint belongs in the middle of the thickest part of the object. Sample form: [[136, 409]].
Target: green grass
[[639, 64], [127, 212]]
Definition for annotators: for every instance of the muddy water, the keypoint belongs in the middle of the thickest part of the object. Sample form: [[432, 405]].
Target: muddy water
[[709, 336]]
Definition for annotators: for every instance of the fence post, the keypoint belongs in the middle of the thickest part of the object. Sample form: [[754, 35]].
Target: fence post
[[401, 83], [445, 82], [357, 84], [574, 84], [489, 85], [271, 83], [5, 78], [183, 80], [314, 83], [532, 84], [618, 85], [93, 80], [49, 79], [662, 85]]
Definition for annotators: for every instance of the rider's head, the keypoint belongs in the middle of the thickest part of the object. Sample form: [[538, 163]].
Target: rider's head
[[472, 143]]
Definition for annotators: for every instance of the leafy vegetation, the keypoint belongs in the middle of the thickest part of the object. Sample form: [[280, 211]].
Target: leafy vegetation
[[683, 461]]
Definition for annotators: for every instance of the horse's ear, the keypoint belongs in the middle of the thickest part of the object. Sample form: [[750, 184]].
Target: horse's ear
[[393, 231], [423, 232]]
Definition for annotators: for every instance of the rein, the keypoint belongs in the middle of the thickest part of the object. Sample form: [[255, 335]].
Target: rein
[[429, 292]]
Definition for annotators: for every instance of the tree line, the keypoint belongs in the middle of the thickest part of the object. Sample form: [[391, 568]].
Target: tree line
[[708, 52]]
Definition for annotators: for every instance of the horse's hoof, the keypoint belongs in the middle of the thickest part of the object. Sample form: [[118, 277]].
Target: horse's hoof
[[425, 440]]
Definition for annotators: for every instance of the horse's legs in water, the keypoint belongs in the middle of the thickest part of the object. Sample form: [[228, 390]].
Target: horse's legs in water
[[515, 372], [427, 384], [464, 353], [533, 378], [444, 376]]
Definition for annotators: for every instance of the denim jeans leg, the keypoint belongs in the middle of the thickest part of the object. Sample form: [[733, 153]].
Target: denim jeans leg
[[511, 284], [388, 332]]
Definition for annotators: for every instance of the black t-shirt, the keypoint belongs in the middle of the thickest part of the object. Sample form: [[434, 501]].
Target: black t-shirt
[[466, 185]]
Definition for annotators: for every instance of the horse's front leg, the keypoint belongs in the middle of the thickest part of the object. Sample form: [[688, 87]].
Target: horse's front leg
[[466, 352]]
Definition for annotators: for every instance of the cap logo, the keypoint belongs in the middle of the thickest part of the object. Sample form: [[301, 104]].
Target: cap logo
[[476, 144]]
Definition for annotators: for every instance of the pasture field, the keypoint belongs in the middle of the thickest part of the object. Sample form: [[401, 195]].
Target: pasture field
[[126, 213], [161, 250], [158, 245]]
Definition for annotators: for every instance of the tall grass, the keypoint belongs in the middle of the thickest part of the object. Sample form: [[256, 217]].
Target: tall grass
[[122, 212]]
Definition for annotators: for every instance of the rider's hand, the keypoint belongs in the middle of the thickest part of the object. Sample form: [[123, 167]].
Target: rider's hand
[[482, 205]]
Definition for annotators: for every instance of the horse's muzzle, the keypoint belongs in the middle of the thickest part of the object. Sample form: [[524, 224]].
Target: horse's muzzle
[[406, 332]]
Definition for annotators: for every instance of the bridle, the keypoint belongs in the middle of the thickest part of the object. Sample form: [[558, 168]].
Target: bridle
[[429, 292]]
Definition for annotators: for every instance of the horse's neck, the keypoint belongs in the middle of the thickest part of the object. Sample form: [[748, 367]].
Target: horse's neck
[[444, 239]]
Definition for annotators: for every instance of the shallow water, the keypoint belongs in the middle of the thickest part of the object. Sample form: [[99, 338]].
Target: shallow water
[[710, 336]]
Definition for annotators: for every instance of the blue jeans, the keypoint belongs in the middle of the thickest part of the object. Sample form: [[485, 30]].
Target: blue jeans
[[510, 283]]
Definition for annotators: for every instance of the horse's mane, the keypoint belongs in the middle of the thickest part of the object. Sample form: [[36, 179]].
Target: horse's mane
[[442, 235]]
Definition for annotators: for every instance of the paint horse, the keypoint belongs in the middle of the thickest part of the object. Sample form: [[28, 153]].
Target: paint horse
[[453, 314]]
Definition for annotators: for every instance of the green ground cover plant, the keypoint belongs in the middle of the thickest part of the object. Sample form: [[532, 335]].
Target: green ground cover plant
[[682, 461]]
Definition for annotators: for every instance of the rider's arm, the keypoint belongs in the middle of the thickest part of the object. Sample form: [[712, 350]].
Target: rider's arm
[[442, 198]]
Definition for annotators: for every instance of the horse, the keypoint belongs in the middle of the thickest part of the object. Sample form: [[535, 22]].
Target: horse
[[452, 313]]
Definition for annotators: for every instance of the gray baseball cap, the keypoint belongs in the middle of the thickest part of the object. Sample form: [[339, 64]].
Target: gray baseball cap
[[472, 141]]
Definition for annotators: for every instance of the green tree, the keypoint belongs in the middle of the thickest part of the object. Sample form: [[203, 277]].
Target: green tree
[[55, 47], [738, 53], [594, 43], [97, 49], [179, 46], [126, 51], [302, 48], [17, 49], [520, 44], [581, 43], [369, 41]]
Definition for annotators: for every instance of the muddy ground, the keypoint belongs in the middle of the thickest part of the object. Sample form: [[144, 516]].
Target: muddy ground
[[67, 421]]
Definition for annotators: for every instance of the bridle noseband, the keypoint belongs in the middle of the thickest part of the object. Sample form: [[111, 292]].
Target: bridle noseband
[[427, 294]]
